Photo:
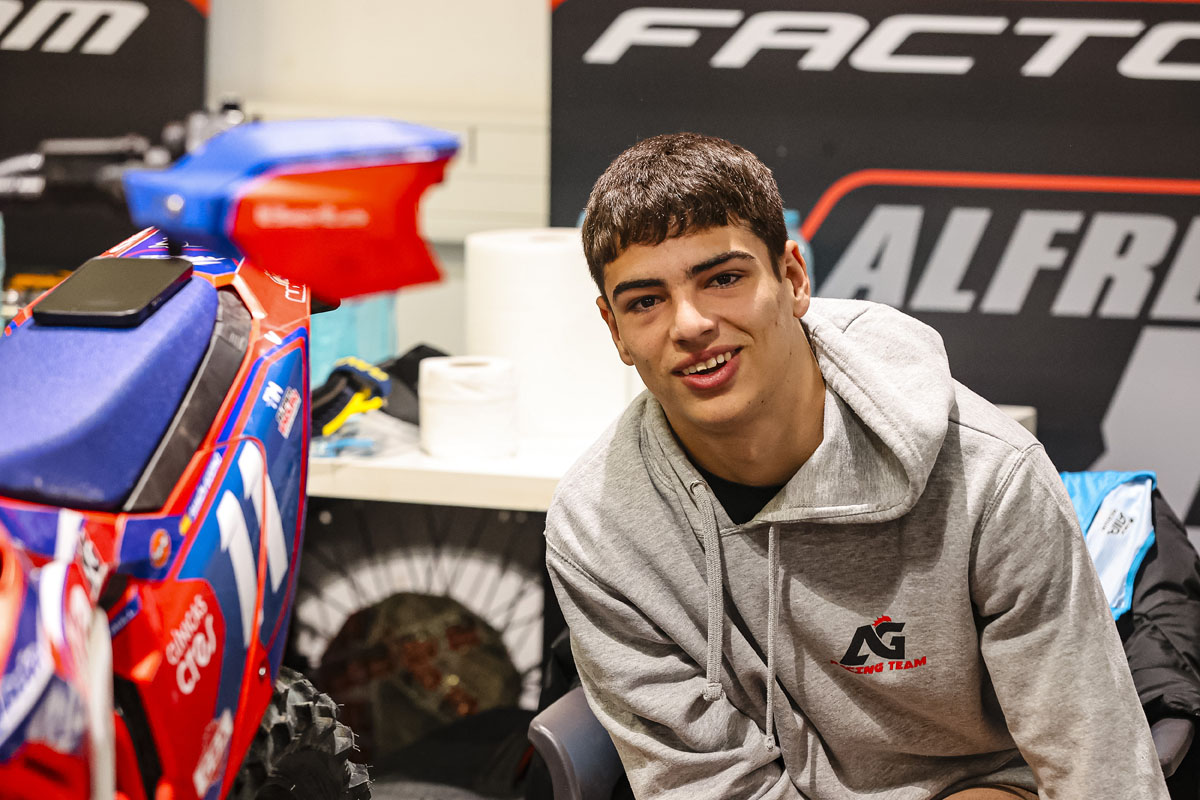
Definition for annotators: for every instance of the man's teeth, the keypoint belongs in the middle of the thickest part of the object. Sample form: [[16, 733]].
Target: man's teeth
[[710, 364]]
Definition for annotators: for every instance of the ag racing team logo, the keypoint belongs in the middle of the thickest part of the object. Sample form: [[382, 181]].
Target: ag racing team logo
[[882, 639]]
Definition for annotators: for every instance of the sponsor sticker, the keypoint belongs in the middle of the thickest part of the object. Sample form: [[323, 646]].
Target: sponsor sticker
[[23, 684], [94, 568], [285, 417], [60, 719], [325, 215], [296, 292], [197, 502], [192, 645], [214, 751], [199, 261], [160, 548], [123, 617], [272, 394], [78, 620]]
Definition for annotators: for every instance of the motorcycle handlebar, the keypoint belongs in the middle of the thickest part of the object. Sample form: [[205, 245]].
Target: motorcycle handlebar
[[22, 187], [83, 169]]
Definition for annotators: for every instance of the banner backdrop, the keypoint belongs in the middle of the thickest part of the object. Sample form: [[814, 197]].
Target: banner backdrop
[[83, 68], [1024, 175]]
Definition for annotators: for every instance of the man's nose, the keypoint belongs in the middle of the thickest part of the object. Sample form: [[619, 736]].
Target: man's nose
[[691, 322]]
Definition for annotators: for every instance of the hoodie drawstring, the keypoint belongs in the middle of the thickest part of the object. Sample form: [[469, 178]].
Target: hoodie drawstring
[[716, 596], [716, 608], [772, 623]]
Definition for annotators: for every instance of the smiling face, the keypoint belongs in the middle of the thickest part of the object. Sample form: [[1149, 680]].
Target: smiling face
[[712, 331]]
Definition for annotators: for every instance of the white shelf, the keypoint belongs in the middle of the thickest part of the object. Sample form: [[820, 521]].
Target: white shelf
[[400, 472]]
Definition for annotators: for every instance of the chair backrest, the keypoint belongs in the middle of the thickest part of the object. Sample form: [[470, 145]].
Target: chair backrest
[[578, 752]]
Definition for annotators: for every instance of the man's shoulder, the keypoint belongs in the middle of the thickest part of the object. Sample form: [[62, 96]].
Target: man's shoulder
[[615, 455], [989, 444], [978, 419], [608, 499], [609, 478]]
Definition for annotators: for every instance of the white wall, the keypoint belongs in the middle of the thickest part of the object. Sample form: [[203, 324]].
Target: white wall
[[476, 67], [479, 68], [453, 55]]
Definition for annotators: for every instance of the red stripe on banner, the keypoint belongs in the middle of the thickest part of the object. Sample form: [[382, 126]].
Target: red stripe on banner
[[990, 180], [1123, 1], [556, 3], [201, 6]]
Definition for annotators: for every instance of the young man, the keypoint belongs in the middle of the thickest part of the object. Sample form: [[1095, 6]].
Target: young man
[[807, 563]]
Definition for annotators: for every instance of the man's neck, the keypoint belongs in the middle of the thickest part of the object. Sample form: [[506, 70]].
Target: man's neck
[[769, 448]]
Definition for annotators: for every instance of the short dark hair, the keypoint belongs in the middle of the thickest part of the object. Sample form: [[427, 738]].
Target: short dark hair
[[679, 183]]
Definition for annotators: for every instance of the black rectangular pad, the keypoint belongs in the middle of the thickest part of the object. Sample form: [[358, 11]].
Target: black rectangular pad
[[113, 292]]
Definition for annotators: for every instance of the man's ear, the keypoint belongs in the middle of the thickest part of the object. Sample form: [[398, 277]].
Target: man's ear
[[611, 321], [795, 274]]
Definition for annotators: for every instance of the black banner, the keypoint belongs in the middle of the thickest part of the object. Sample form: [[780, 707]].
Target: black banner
[[1024, 177], [90, 68]]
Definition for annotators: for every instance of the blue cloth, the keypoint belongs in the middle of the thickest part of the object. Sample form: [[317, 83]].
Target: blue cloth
[[1114, 511], [363, 327], [82, 410]]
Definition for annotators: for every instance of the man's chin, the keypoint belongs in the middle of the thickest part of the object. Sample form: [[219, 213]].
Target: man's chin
[[715, 416]]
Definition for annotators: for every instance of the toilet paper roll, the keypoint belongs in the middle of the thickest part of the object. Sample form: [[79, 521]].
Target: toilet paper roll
[[467, 406], [529, 298]]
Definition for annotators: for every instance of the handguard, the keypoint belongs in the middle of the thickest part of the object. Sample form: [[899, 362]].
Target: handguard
[[327, 203]]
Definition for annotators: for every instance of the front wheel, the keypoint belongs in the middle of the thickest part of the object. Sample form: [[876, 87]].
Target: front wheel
[[301, 751]]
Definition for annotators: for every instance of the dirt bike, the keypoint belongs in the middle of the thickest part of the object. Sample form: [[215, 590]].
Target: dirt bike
[[153, 454]]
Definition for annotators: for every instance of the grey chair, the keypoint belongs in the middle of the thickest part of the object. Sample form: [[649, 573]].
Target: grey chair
[[1172, 739], [578, 752]]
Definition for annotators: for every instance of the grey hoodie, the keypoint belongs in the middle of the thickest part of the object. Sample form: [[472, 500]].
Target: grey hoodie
[[915, 611]]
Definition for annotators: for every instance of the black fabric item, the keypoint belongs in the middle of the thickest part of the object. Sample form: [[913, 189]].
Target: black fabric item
[[329, 399], [403, 404], [407, 368], [741, 502], [404, 370], [1161, 632], [1161, 635], [482, 753]]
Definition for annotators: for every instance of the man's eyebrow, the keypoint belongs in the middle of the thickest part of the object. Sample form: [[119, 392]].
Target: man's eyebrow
[[719, 258], [693, 271], [641, 283]]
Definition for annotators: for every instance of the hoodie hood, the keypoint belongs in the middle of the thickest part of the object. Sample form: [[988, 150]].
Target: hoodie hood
[[888, 398]]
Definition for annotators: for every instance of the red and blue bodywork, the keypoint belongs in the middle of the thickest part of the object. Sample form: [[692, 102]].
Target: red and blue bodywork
[[157, 472]]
